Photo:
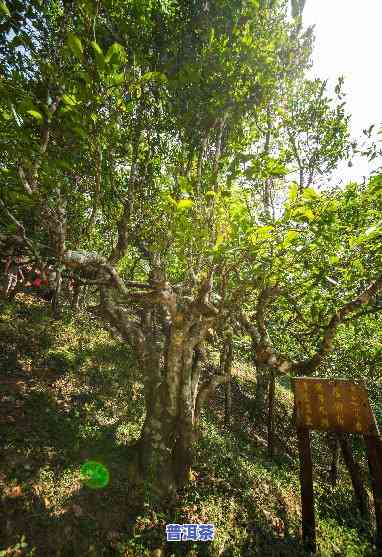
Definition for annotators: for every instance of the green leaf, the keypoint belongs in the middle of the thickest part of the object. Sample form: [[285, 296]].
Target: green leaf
[[376, 184], [358, 266], [100, 59], [70, 100], [310, 193], [293, 191], [275, 168], [184, 184], [170, 200], [184, 204], [373, 231], [308, 213], [289, 237], [4, 9], [75, 45], [305, 213], [35, 114], [260, 233], [118, 78], [154, 76], [95, 46], [369, 234], [115, 54], [219, 241]]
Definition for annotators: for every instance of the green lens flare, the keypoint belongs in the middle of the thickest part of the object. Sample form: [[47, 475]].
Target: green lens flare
[[94, 474]]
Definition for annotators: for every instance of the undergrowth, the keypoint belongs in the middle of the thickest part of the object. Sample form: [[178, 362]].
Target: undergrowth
[[71, 392]]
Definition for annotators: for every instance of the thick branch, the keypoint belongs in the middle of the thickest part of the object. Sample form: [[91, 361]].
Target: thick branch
[[21, 230], [206, 391], [249, 327], [119, 319], [327, 341], [158, 293], [30, 185], [85, 261], [202, 303], [266, 355], [265, 297]]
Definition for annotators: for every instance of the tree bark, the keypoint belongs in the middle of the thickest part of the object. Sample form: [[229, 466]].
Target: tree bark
[[56, 306], [271, 411], [355, 472], [333, 446], [228, 374], [76, 297], [169, 432], [262, 383]]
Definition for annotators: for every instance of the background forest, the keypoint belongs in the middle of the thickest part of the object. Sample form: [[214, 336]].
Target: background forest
[[165, 169]]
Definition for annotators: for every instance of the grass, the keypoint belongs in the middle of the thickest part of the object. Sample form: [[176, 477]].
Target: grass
[[72, 393]]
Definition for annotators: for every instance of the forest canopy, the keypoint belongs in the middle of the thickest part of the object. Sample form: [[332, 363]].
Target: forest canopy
[[175, 156]]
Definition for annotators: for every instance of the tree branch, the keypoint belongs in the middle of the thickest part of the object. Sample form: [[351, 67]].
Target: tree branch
[[30, 184], [264, 299], [21, 230], [206, 391], [326, 346]]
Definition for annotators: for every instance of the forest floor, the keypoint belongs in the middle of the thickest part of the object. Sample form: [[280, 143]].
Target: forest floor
[[71, 393]]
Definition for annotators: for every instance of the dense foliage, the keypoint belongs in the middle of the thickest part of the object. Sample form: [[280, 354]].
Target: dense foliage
[[174, 156]]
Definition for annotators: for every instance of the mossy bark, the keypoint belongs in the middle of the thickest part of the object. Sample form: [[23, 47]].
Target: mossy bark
[[168, 434]]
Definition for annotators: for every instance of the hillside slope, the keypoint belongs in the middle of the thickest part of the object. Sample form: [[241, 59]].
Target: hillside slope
[[70, 393]]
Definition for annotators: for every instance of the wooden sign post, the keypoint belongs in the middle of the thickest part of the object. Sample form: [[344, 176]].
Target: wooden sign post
[[339, 406]]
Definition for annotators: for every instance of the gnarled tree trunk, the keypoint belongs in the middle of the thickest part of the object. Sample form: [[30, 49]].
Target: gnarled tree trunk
[[168, 433], [169, 352], [262, 384]]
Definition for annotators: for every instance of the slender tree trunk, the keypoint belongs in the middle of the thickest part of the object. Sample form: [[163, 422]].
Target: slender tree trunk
[[223, 354], [56, 305], [355, 472], [301, 181], [334, 450], [268, 181], [271, 411], [262, 381], [76, 297], [228, 373]]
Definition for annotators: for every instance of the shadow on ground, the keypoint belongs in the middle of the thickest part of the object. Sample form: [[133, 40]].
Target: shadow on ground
[[71, 393]]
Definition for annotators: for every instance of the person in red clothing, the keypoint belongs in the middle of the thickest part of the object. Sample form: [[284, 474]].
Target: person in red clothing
[[48, 278], [37, 279]]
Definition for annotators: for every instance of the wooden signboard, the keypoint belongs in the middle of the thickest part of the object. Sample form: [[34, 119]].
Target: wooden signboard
[[339, 406]]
